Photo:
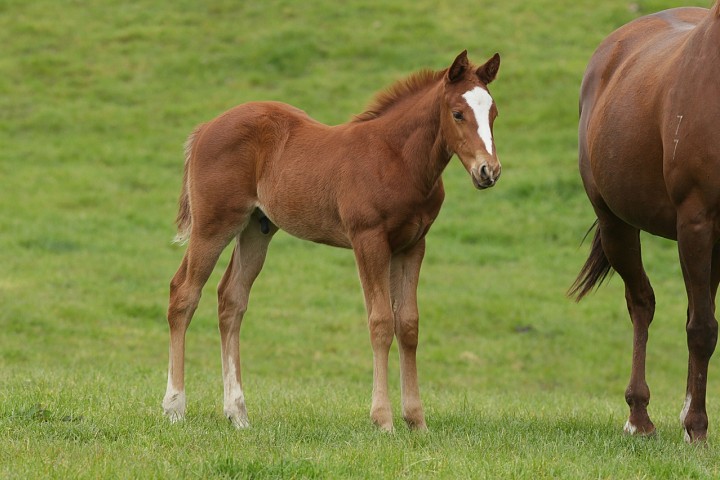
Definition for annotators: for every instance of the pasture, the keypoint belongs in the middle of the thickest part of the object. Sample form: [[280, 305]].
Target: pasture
[[517, 380]]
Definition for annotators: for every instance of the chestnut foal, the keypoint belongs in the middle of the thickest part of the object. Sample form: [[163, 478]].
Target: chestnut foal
[[373, 184]]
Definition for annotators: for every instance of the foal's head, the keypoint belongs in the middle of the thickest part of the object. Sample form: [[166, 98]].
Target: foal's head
[[467, 115]]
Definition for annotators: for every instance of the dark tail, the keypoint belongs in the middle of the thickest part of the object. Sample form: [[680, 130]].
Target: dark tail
[[184, 216], [596, 268]]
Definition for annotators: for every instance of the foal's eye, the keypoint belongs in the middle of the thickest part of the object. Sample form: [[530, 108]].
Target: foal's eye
[[457, 116]]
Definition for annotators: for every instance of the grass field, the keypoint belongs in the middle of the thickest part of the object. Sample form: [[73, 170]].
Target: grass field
[[96, 100]]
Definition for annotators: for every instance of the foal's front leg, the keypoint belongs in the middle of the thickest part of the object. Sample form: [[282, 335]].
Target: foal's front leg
[[372, 254], [404, 275]]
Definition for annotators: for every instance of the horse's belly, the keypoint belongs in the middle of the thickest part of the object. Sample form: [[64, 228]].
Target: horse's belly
[[632, 186]]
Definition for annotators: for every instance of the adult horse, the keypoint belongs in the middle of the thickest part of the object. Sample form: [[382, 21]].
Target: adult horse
[[650, 160], [372, 185]]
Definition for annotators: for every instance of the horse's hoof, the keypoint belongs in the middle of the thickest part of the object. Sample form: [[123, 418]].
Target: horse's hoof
[[695, 438], [642, 430]]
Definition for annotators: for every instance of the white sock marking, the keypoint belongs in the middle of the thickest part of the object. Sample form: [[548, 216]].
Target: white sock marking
[[630, 428], [480, 102], [685, 409], [174, 402], [234, 401]]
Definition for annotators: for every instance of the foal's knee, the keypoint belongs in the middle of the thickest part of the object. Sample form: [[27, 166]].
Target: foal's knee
[[381, 330], [406, 330]]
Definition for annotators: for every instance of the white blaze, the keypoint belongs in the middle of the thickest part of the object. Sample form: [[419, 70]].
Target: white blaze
[[480, 102]]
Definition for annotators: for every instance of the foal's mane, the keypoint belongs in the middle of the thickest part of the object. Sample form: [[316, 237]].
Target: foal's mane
[[397, 91]]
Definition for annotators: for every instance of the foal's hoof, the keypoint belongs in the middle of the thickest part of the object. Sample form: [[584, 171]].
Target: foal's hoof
[[386, 428], [238, 421], [174, 417], [384, 425], [174, 407], [383, 419], [417, 425]]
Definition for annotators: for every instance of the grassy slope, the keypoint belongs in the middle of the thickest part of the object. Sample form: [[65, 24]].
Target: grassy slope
[[96, 101]]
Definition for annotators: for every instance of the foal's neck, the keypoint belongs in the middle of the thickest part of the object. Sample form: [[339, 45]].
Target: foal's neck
[[413, 130]]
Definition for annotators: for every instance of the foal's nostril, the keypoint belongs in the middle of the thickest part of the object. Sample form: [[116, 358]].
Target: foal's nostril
[[484, 173]]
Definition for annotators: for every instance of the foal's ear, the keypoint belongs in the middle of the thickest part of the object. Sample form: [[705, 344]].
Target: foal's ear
[[488, 72], [458, 68]]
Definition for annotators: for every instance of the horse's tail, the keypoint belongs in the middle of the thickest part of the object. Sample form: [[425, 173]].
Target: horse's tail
[[597, 267], [184, 215]]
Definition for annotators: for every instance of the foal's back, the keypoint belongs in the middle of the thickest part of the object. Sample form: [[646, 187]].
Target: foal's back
[[314, 181]]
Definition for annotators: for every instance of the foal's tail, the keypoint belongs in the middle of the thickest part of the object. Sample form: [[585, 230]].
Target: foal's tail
[[184, 216], [596, 269]]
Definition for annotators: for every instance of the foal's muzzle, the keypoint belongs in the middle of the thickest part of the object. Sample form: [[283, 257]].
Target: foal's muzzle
[[485, 176]]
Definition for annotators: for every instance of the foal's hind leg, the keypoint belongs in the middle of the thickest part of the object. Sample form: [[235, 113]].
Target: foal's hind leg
[[404, 274], [621, 244], [233, 292], [185, 291]]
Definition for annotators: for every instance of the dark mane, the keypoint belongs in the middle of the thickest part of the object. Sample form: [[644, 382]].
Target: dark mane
[[397, 91]]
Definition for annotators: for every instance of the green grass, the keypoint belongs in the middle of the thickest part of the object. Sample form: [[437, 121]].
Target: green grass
[[96, 100]]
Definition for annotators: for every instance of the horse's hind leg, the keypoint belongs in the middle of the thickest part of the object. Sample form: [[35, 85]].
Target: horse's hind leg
[[185, 290], [404, 275], [233, 292], [621, 244], [696, 244], [715, 278]]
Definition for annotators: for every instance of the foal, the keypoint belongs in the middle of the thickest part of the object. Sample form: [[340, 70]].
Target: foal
[[372, 185]]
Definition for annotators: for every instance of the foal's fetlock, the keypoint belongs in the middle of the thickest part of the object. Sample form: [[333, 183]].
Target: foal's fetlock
[[238, 417]]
